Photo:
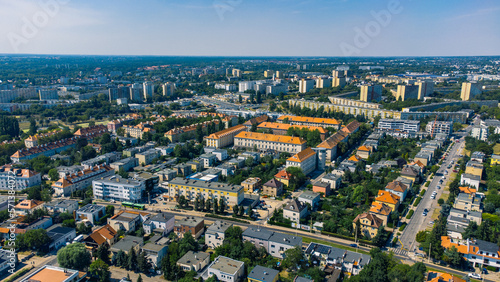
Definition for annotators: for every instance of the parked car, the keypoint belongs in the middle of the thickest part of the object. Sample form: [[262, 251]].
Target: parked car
[[353, 245], [474, 275]]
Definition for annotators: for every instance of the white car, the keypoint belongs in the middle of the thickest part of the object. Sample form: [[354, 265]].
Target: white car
[[474, 275]]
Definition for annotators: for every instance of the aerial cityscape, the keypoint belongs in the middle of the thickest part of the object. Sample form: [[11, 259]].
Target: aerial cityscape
[[242, 141]]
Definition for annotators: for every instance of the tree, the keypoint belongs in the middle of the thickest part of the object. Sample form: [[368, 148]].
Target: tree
[[132, 260], [235, 209], [33, 127], [143, 263], [139, 279], [242, 210], [32, 239], [103, 252], [83, 228], [272, 106], [123, 173], [74, 256], [215, 205], [110, 210], [187, 243], [249, 162], [53, 174], [254, 127], [100, 270], [121, 259], [293, 258], [421, 236], [453, 256], [222, 205]]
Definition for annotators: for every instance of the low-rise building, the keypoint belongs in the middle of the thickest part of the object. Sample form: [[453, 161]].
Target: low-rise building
[[60, 236], [368, 224], [194, 225], [495, 159], [381, 211], [220, 154], [226, 269], [127, 220], [147, 157], [62, 206], [279, 243], [311, 198], [101, 235], [258, 236], [251, 184], [468, 202], [470, 180], [163, 222], [351, 263], [284, 177], [386, 197], [364, 152], [263, 274], [225, 137], [118, 188], [474, 168], [194, 261], [126, 164], [154, 253], [437, 127], [295, 211], [214, 236], [322, 188], [272, 188], [397, 188], [331, 144], [477, 252], [334, 180], [208, 160], [49, 273], [28, 206], [127, 243], [91, 213]]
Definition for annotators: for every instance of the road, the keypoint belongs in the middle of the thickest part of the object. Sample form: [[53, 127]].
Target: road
[[420, 222]]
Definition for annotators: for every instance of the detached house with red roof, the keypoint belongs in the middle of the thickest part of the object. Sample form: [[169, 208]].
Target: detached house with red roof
[[386, 197], [369, 224], [477, 252], [364, 152], [397, 188], [284, 177], [27, 206]]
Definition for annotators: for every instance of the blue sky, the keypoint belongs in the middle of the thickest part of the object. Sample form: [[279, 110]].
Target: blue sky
[[251, 27]]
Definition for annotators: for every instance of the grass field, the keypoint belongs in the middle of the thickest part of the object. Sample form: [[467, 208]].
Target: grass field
[[496, 149]]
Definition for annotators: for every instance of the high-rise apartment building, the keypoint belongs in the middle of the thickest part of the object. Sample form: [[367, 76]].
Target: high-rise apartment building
[[469, 90], [371, 93], [168, 89], [305, 85], [149, 89]]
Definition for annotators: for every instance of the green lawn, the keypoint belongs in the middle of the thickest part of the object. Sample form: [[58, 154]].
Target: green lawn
[[496, 149]]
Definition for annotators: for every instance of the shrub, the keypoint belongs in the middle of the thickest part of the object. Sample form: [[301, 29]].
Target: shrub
[[410, 214], [417, 201], [402, 227], [427, 184], [492, 268], [441, 201], [422, 192]]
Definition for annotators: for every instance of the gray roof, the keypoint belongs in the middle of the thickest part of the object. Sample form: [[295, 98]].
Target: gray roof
[[487, 246], [286, 239], [117, 179], [458, 220], [463, 197], [309, 195], [321, 184], [153, 247], [61, 203], [206, 185], [161, 217], [468, 214], [90, 208], [471, 176], [263, 274], [126, 243], [227, 265], [193, 257], [258, 233], [295, 205], [331, 176], [362, 259], [190, 221], [450, 227], [218, 227], [302, 279]]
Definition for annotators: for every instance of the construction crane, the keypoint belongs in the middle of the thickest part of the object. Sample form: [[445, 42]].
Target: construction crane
[[434, 126]]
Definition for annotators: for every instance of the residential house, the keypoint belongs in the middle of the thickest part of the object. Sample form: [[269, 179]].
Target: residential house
[[468, 202], [62, 206], [225, 269], [331, 144], [386, 197], [127, 243], [127, 220], [279, 243], [251, 184], [478, 157], [272, 188], [155, 253], [477, 252], [60, 236], [49, 273], [305, 160], [162, 222], [474, 168], [397, 188], [295, 211], [284, 177], [458, 220], [208, 160], [220, 154], [81, 180], [381, 211], [263, 274], [27, 206], [194, 261], [91, 213], [311, 198], [258, 236], [467, 190], [102, 234], [321, 187], [442, 277], [495, 159], [334, 180], [470, 180], [368, 224], [364, 152], [214, 236], [411, 172], [352, 127], [351, 263], [194, 225]]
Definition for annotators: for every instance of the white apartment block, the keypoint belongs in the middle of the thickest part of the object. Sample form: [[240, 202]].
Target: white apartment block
[[119, 189]]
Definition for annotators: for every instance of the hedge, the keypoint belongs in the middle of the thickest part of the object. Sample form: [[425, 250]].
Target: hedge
[[422, 192], [417, 201], [402, 227], [492, 268], [226, 218], [427, 184], [410, 213], [18, 274]]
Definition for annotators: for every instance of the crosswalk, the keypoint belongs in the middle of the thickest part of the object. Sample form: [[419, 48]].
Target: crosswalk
[[399, 251]]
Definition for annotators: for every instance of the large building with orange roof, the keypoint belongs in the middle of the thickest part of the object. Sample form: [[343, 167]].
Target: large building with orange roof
[[188, 132], [282, 128], [352, 127], [263, 142], [91, 132], [225, 137], [138, 130], [310, 121], [49, 273], [48, 150], [80, 180], [27, 206], [386, 197], [24, 178], [477, 252], [101, 235], [331, 144], [305, 160], [397, 188]]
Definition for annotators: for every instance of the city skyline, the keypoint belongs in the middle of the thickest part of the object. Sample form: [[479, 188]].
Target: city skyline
[[257, 28]]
